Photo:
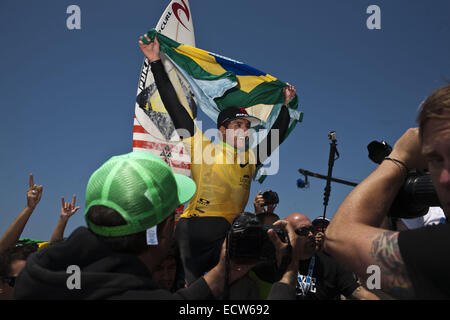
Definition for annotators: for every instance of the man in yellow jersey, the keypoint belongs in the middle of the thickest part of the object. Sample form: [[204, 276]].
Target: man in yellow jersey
[[222, 172]]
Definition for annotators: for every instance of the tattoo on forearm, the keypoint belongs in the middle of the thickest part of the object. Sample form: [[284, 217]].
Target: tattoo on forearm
[[387, 256]]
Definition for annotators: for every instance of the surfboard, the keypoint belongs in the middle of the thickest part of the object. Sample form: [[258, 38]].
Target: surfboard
[[153, 130]]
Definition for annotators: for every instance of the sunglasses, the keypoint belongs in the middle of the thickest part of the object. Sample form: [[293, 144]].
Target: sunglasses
[[304, 231], [11, 281]]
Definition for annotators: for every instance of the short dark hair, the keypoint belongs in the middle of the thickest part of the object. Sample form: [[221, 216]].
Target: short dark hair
[[225, 124], [104, 216], [10, 255]]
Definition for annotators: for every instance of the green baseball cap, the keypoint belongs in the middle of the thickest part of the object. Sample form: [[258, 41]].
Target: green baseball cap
[[141, 187]]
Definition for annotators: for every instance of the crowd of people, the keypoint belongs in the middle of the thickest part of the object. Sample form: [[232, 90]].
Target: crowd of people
[[133, 247]]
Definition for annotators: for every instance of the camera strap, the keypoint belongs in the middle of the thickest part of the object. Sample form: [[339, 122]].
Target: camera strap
[[305, 287]]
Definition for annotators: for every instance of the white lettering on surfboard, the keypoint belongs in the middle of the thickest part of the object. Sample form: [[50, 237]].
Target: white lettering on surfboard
[[143, 77]]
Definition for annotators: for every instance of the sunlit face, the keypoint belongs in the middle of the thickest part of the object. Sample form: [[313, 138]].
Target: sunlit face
[[236, 134], [305, 232], [308, 240], [436, 149]]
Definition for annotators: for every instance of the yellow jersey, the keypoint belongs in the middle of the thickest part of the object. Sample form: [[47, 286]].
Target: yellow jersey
[[223, 177]]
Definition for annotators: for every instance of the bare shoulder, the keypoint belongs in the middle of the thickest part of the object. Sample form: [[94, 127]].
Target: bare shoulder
[[386, 254]]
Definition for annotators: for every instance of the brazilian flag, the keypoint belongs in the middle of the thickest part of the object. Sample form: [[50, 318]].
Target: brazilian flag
[[219, 82]]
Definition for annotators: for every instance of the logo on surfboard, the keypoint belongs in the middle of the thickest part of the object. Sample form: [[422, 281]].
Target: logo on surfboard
[[176, 7]]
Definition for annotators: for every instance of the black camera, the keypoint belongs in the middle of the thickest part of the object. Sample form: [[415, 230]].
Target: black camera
[[270, 197], [332, 135], [378, 150], [248, 238], [417, 194]]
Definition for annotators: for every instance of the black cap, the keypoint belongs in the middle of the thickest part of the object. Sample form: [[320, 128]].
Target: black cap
[[319, 221], [232, 113]]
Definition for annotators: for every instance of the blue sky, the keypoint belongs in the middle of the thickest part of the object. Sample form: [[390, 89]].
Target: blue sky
[[67, 96]]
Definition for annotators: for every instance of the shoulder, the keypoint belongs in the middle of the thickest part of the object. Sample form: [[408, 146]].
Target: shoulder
[[430, 234]]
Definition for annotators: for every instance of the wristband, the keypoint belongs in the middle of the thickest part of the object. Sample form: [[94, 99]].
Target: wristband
[[399, 162]]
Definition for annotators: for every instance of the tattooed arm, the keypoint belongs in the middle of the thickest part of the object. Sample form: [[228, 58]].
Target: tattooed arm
[[367, 246], [386, 254], [354, 237]]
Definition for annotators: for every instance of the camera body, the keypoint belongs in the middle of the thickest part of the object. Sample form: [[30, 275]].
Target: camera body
[[417, 194], [270, 197], [332, 135], [248, 238], [378, 150]]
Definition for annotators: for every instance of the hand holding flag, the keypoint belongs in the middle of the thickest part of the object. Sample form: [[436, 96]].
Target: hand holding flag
[[150, 50]]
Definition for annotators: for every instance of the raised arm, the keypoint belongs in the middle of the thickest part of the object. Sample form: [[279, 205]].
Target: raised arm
[[353, 236], [67, 210], [281, 124], [178, 114], [12, 234]]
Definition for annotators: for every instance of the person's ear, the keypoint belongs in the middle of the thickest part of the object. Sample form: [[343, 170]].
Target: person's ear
[[222, 130]]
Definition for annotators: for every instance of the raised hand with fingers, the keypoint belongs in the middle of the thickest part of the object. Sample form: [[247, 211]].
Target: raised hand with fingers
[[34, 193], [151, 50], [319, 238], [258, 203], [289, 92], [286, 252], [68, 209], [283, 249]]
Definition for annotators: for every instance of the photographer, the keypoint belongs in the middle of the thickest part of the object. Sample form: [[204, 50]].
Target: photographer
[[265, 202], [411, 262], [319, 276], [274, 250], [320, 224]]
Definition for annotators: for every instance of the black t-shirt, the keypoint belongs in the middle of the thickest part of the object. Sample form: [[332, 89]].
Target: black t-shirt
[[329, 279], [426, 254]]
